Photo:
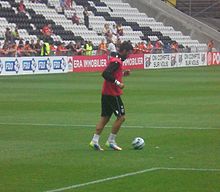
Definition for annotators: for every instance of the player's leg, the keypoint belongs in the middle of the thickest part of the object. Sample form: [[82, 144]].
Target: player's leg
[[99, 128], [117, 124], [105, 116], [101, 124], [119, 111]]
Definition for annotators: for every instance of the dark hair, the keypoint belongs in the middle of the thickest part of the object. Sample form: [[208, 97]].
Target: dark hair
[[126, 46]]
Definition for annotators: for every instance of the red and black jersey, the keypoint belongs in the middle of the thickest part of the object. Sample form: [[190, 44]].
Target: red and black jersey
[[112, 72]]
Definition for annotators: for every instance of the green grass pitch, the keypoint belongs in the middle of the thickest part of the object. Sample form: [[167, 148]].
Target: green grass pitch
[[47, 121]]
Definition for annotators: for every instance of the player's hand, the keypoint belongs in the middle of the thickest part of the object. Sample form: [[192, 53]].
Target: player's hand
[[127, 72], [121, 85]]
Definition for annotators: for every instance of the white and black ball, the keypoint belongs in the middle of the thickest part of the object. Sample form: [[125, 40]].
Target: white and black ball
[[138, 143]]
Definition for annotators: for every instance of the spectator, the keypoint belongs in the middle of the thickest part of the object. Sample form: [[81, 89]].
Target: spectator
[[71, 49], [68, 4], [62, 4], [210, 45], [106, 31], [47, 30], [112, 48], [78, 49], [32, 45], [114, 30], [37, 47], [86, 17], [158, 47], [142, 47], [45, 49], [53, 49], [15, 34], [12, 49], [8, 35], [102, 49], [28, 51], [187, 49], [117, 44], [149, 48], [167, 48], [88, 48], [174, 47], [75, 19], [61, 49], [120, 30], [4, 49], [20, 48], [21, 7]]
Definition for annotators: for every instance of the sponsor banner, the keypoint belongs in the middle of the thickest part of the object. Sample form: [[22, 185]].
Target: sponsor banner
[[33, 65], [158, 61], [192, 59], [89, 63], [99, 63], [213, 58], [10, 66], [134, 61], [171, 60]]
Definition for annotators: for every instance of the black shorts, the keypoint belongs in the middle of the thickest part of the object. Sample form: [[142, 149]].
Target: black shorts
[[112, 104]]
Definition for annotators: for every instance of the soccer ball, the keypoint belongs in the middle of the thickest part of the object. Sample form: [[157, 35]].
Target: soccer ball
[[138, 143]]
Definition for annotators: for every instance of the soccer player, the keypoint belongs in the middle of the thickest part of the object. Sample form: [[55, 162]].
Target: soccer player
[[111, 101]]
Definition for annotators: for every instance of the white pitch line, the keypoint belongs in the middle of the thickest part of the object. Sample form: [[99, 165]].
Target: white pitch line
[[130, 174], [126, 126]]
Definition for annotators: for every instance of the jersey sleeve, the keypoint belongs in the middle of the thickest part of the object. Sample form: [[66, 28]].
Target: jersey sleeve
[[107, 73]]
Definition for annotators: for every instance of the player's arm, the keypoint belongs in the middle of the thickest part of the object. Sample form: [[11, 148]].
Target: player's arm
[[107, 74]]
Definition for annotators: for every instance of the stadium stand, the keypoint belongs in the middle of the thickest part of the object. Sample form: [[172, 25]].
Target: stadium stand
[[203, 10], [137, 26]]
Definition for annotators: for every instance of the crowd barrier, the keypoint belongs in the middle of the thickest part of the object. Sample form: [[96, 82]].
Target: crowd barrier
[[55, 64]]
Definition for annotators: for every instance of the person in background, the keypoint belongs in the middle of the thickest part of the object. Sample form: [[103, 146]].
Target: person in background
[[8, 35], [142, 47], [106, 31], [112, 48], [32, 45], [45, 50], [88, 48], [62, 4], [53, 48], [12, 49], [28, 51], [86, 17], [37, 47], [187, 49], [5, 48], [120, 30], [102, 49], [174, 47], [118, 44], [21, 7], [158, 47], [75, 19], [61, 49], [15, 34], [149, 47], [47, 30], [167, 48], [71, 49], [114, 30], [210, 46], [78, 49]]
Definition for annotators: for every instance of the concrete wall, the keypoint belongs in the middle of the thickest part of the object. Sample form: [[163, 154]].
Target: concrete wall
[[178, 20]]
